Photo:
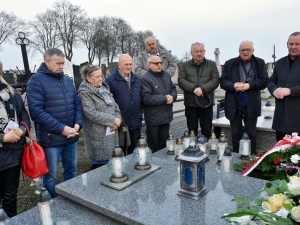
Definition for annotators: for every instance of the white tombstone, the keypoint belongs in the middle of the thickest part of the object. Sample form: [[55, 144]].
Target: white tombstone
[[68, 68]]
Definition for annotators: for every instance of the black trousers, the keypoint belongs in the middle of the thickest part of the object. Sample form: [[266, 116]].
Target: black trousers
[[237, 128], [157, 136], [135, 135], [9, 184], [204, 116]]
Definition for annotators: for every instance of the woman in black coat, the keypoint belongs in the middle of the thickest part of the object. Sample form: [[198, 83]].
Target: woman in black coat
[[12, 138]]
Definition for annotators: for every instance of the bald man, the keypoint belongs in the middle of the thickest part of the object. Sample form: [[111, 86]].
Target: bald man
[[158, 95], [243, 78], [151, 48], [126, 89]]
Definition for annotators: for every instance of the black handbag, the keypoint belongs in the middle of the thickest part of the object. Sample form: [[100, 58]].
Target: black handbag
[[124, 136]]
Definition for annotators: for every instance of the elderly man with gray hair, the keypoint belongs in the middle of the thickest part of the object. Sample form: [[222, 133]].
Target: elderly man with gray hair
[[126, 89], [158, 95], [169, 64], [243, 78], [198, 78]]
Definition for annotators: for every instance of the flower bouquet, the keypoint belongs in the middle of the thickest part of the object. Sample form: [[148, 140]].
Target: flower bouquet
[[278, 204], [278, 161]]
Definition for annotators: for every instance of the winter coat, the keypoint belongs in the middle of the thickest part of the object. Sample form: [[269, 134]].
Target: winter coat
[[140, 65], [155, 87], [287, 110], [128, 99], [189, 80], [11, 153], [97, 117], [231, 75], [53, 104]]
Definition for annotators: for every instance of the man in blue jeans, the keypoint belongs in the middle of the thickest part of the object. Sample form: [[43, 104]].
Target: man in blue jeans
[[56, 109]]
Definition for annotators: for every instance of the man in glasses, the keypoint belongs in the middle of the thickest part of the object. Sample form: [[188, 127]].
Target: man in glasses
[[140, 66], [243, 78], [284, 85], [198, 78], [158, 95]]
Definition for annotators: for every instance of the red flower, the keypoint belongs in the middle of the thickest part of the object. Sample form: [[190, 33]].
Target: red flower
[[244, 164], [277, 160]]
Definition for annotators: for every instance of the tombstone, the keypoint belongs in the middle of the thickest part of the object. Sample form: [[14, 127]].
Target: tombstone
[[112, 67], [68, 68]]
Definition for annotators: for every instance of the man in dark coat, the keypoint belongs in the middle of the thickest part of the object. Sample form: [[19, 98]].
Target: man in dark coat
[[55, 107], [243, 78], [158, 95], [126, 89], [284, 85]]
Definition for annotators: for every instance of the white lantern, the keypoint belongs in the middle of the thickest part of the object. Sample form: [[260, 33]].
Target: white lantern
[[222, 144], [213, 141], [46, 208], [142, 154], [116, 166], [227, 164], [171, 145], [186, 139], [245, 147], [193, 138]]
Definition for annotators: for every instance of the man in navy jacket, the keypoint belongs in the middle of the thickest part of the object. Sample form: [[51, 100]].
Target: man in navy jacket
[[56, 109], [126, 89], [243, 78]]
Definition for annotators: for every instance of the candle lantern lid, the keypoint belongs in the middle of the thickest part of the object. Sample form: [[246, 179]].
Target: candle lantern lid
[[3, 215], [222, 138], [117, 152], [179, 141], [268, 104], [192, 134], [44, 195], [192, 154], [186, 134], [213, 136], [142, 143], [245, 136], [171, 137], [227, 152]]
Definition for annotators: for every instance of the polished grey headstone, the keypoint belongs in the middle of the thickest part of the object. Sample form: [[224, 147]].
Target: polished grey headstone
[[67, 213], [154, 199]]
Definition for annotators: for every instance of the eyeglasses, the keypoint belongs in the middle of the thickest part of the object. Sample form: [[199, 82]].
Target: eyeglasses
[[245, 50], [156, 63]]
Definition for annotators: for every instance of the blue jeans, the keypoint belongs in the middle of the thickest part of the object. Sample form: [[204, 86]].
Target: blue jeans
[[68, 154]]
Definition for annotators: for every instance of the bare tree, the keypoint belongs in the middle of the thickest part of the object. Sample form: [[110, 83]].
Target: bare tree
[[44, 32], [88, 37], [9, 25], [70, 21]]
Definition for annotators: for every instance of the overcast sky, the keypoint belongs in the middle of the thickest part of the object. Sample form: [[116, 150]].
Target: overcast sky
[[177, 24]]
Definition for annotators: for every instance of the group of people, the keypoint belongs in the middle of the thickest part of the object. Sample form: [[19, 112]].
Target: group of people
[[137, 87]]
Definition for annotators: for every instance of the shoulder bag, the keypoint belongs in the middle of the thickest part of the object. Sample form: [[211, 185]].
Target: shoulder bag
[[33, 161]]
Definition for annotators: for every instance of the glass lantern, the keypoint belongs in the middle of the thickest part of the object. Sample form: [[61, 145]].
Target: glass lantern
[[213, 141], [171, 145], [193, 138], [116, 166], [46, 208], [268, 110], [142, 155], [186, 139], [221, 146], [245, 147], [192, 173], [203, 144], [178, 147], [227, 164]]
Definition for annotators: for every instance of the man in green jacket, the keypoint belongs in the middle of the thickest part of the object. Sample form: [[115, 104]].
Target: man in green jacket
[[198, 78]]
